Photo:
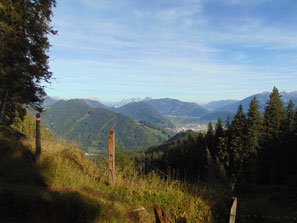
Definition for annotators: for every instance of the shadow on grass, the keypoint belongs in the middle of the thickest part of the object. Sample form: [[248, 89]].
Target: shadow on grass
[[24, 196], [25, 204]]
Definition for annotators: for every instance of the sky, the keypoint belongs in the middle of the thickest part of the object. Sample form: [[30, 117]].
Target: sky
[[191, 50]]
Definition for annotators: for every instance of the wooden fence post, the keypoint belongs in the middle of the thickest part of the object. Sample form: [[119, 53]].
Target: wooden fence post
[[233, 210], [38, 140], [111, 144]]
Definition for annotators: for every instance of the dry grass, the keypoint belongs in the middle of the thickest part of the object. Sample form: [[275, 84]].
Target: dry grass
[[67, 172]]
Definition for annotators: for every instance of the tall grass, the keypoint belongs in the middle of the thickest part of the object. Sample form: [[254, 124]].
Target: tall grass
[[65, 168], [70, 187]]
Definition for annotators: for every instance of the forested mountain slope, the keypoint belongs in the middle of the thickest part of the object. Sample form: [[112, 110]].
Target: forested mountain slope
[[174, 107], [144, 111], [78, 121]]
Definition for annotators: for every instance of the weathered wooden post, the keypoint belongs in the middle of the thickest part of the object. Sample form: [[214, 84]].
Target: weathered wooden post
[[38, 140], [111, 144], [233, 210]]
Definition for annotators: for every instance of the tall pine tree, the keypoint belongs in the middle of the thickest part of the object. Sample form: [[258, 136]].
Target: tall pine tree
[[289, 147], [237, 144], [289, 121], [274, 116], [219, 135], [254, 129], [219, 128], [209, 138]]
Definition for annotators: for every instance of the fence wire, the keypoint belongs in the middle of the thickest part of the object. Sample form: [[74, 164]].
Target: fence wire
[[164, 174]]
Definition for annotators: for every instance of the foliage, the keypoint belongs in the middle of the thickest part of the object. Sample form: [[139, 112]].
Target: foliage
[[24, 29]]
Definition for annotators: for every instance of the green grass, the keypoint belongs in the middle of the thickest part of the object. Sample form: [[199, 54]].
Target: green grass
[[69, 187], [24, 195]]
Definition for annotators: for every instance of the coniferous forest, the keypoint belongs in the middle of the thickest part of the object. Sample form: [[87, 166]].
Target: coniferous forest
[[253, 150]]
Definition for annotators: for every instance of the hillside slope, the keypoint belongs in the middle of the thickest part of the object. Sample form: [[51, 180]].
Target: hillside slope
[[214, 105], [78, 121], [144, 111], [69, 187], [174, 107]]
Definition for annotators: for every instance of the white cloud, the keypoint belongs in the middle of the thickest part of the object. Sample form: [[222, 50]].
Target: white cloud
[[170, 48]]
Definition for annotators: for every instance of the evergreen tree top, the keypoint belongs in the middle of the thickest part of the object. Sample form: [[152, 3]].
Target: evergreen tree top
[[274, 114]]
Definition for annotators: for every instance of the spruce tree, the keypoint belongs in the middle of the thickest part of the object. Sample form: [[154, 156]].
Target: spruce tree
[[254, 127], [254, 132], [294, 150], [273, 140], [289, 121], [210, 131], [209, 138], [222, 157], [289, 145], [219, 129], [228, 122], [219, 135], [237, 147], [274, 115]]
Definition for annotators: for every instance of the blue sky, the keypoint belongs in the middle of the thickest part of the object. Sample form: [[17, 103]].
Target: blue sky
[[192, 50]]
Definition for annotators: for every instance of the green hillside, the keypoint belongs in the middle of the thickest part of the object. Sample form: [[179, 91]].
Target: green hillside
[[69, 187], [78, 121], [144, 111], [167, 106]]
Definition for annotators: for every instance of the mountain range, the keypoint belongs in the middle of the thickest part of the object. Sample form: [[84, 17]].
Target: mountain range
[[214, 105], [158, 111], [77, 120], [174, 107], [228, 106], [138, 125], [123, 102], [144, 111]]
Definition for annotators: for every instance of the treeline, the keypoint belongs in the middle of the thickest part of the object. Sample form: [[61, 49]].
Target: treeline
[[253, 148]]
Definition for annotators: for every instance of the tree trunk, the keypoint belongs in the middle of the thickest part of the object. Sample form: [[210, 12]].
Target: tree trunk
[[3, 106]]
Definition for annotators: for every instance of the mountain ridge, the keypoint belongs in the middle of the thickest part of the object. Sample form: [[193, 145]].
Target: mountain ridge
[[144, 111], [176, 108], [262, 98], [77, 120]]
